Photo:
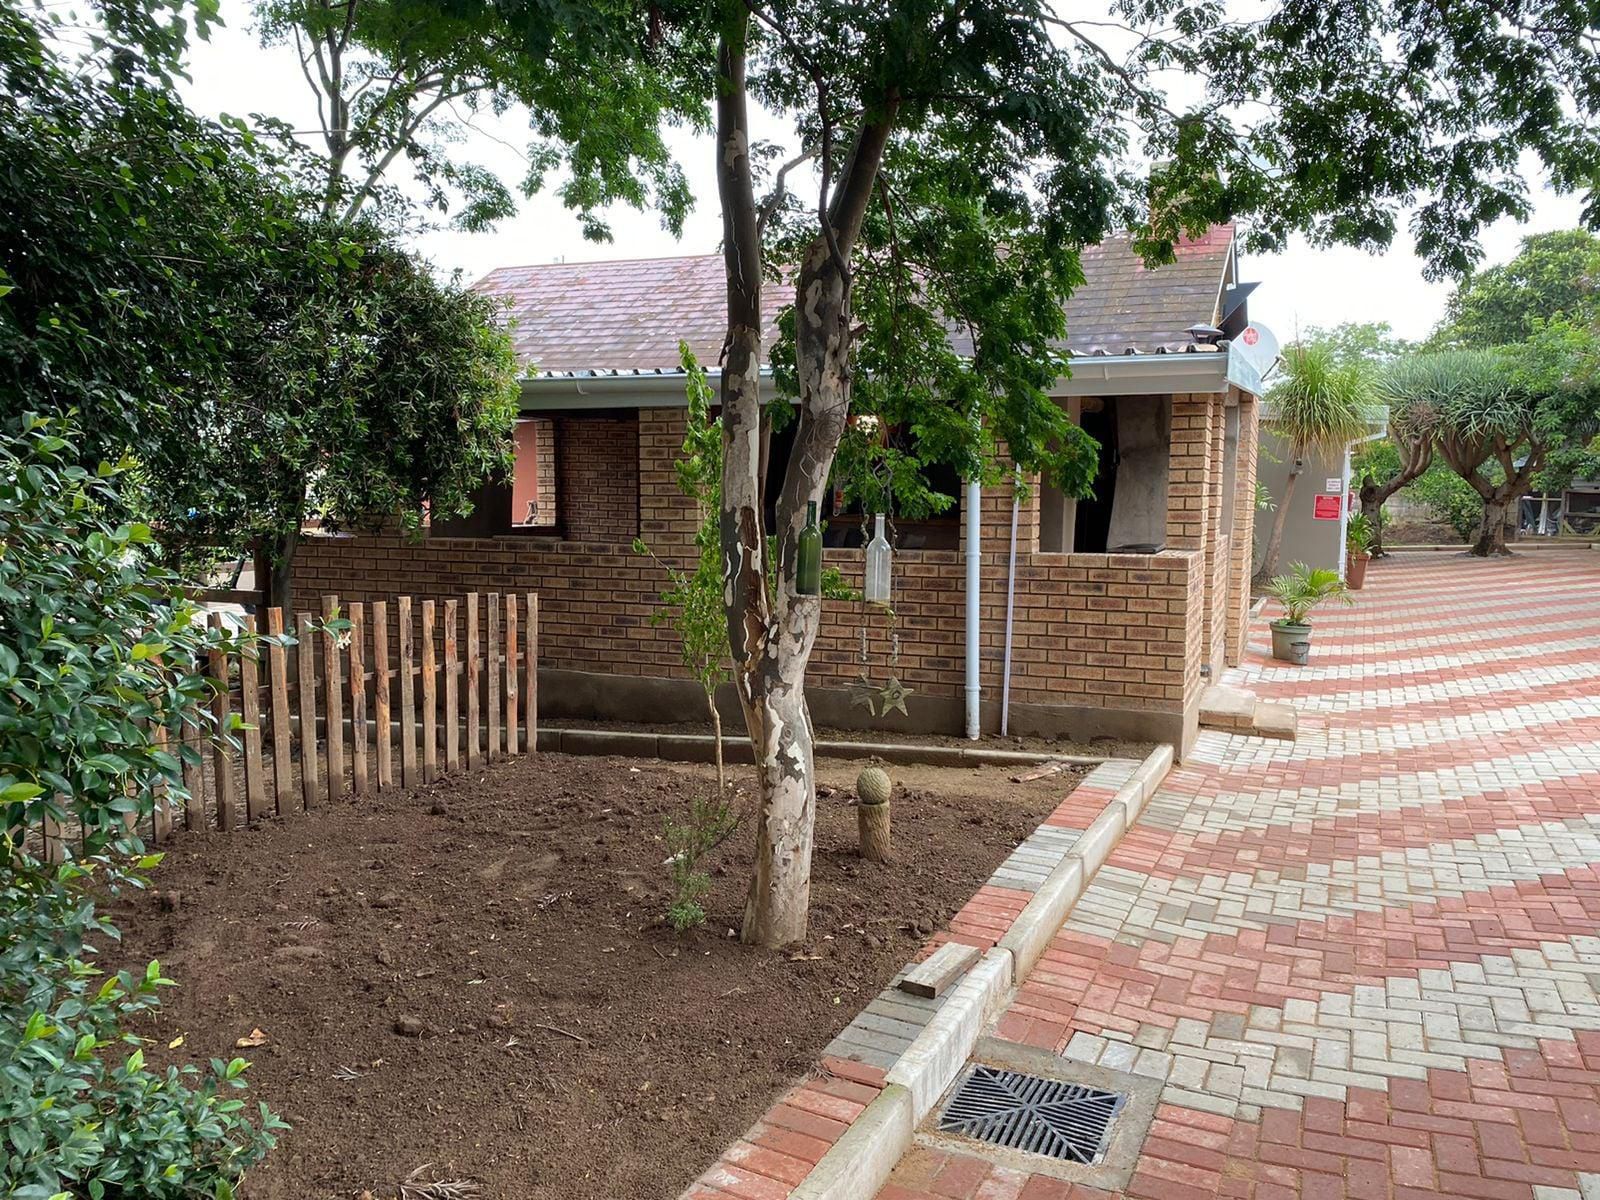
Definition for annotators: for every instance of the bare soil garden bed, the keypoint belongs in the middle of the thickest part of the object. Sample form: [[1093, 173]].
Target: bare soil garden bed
[[473, 974]]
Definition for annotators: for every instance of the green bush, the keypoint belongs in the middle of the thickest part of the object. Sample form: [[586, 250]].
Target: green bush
[[1450, 498], [96, 648]]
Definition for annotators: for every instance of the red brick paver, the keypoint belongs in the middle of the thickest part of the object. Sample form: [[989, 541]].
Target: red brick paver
[[1365, 964]]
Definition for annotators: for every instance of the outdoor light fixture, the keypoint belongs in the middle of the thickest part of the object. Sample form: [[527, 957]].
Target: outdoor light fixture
[[880, 560], [808, 556]]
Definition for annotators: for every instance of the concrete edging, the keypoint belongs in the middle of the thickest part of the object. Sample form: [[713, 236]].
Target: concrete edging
[[857, 1167], [698, 748]]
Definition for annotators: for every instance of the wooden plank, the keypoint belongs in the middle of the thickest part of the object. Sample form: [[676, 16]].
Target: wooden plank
[[307, 650], [493, 666], [161, 794], [452, 689], [382, 685], [52, 842], [408, 698], [512, 746], [530, 675], [430, 698], [939, 970], [358, 699], [194, 776], [474, 734], [255, 771], [333, 697], [222, 715], [282, 739]]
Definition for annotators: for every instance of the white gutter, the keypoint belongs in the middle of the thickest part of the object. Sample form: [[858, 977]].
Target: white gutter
[[973, 501]]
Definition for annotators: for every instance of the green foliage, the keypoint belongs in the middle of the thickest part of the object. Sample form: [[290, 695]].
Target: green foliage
[[1450, 498], [1321, 404], [358, 387], [1358, 534], [692, 602], [1554, 275], [1264, 500], [94, 641], [397, 82], [708, 823], [1372, 342], [1303, 589], [119, 213]]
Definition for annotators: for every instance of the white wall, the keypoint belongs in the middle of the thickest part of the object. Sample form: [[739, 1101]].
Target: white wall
[[1305, 539]]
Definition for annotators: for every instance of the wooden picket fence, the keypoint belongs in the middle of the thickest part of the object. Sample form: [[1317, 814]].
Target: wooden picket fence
[[402, 662]]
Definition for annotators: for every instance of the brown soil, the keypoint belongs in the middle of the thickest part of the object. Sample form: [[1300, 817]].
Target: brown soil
[[570, 1046]]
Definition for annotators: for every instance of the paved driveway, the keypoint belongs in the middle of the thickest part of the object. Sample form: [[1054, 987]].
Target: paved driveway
[[1365, 964]]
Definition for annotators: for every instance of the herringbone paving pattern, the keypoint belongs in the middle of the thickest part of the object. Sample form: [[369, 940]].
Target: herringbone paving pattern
[[1365, 964]]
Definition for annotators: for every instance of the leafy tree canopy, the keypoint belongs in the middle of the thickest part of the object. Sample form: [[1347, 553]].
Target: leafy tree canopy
[[1554, 275]]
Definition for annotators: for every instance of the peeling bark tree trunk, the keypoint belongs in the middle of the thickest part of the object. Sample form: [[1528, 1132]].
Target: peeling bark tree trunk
[[279, 584], [1417, 458], [1269, 556], [1492, 533], [771, 637]]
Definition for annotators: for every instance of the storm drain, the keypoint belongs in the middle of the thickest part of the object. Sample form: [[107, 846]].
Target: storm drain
[[1062, 1120]]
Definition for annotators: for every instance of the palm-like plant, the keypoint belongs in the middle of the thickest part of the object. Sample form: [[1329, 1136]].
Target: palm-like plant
[[1321, 405], [1303, 588]]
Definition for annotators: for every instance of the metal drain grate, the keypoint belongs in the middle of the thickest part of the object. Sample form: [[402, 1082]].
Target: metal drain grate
[[1024, 1112]]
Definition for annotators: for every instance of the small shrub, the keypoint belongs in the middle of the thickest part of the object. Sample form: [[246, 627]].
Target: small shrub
[[709, 823]]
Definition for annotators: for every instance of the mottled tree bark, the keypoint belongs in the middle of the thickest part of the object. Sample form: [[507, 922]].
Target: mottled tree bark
[[1416, 456], [1466, 457], [771, 637]]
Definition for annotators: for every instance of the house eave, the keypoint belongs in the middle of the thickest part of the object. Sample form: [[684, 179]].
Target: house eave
[[1198, 372]]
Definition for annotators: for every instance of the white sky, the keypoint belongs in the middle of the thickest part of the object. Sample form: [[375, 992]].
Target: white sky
[[1304, 286]]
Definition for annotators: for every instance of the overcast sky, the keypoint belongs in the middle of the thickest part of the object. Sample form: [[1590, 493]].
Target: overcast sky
[[1305, 286]]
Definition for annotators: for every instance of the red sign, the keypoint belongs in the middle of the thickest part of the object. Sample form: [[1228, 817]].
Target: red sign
[[1326, 508]]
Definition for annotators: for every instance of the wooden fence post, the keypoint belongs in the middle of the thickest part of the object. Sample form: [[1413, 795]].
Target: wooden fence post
[[474, 734], [530, 675], [430, 698], [512, 667], [255, 774], [333, 695], [161, 794], [408, 699], [222, 715], [282, 743], [308, 710], [194, 775], [494, 676], [358, 699], [381, 685], [452, 688]]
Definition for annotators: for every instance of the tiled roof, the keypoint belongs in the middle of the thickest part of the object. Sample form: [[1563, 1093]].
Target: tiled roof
[[628, 315]]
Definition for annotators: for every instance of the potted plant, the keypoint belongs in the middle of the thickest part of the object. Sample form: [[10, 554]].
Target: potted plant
[[1301, 590], [1358, 550]]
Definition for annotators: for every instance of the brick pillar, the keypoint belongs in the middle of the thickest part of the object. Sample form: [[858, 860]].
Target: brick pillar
[[1189, 472], [1244, 524], [1216, 567]]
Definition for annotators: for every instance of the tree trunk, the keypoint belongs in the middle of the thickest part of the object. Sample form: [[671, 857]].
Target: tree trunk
[[1372, 510], [1269, 556], [280, 574], [1491, 541], [1416, 458]]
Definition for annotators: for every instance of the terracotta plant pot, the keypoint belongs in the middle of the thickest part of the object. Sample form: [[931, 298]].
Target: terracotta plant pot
[[1355, 571], [1291, 643]]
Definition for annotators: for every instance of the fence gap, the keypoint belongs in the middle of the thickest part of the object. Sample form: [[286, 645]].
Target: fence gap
[[222, 716], [358, 699], [282, 744], [382, 681], [255, 774]]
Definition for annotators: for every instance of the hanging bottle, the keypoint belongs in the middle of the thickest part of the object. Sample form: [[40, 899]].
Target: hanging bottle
[[808, 556], [880, 559]]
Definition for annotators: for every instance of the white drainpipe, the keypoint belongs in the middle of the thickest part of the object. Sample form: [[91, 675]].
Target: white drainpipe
[[974, 499], [1011, 597]]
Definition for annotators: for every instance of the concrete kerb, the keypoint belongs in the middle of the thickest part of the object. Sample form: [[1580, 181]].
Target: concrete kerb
[[695, 747], [857, 1167]]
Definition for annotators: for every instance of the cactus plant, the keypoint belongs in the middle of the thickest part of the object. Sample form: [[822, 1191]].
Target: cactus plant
[[873, 786]]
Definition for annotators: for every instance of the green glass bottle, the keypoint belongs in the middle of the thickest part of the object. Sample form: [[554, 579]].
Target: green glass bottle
[[808, 556]]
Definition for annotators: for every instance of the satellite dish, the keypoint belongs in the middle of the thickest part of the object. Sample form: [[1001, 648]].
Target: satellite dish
[[1259, 347]]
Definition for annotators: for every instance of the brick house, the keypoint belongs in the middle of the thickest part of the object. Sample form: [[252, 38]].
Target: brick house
[[1121, 603]]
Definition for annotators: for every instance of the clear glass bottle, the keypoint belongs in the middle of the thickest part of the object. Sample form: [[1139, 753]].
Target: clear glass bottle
[[808, 556], [880, 560]]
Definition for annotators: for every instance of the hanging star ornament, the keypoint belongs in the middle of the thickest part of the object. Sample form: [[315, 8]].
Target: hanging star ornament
[[893, 697]]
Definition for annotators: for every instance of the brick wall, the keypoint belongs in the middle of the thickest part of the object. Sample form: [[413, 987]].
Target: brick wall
[[1216, 607], [597, 478], [1090, 630], [1244, 523], [1189, 471]]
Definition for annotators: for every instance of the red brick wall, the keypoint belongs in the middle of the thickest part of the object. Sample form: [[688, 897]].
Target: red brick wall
[[1117, 631], [597, 478]]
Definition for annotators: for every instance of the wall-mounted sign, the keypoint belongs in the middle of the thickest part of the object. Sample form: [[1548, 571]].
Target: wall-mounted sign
[[1334, 485], [1326, 508]]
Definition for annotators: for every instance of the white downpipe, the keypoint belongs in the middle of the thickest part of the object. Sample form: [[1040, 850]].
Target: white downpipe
[[1011, 596], [974, 499]]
